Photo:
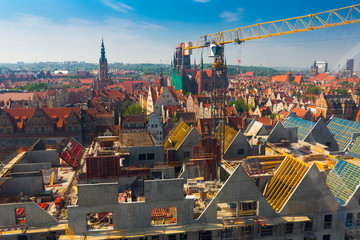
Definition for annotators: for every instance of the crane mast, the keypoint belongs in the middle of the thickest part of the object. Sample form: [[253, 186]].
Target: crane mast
[[217, 41]]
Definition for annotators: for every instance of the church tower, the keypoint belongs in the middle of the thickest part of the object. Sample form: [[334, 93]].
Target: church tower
[[103, 80]]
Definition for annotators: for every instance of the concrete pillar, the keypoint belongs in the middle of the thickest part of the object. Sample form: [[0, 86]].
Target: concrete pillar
[[216, 235], [193, 235], [237, 209]]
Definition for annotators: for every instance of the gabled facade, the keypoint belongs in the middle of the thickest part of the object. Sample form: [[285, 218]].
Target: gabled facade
[[154, 126]]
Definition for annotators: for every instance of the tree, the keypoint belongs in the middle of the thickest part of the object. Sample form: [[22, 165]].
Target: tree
[[130, 108], [273, 116], [313, 89], [340, 91], [134, 109], [240, 106]]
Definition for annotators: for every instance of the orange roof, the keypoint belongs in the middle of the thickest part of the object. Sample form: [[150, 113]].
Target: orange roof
[[279, 78], [297, 78], [299, 112], [15, 96], [87, 81], [265, 120]]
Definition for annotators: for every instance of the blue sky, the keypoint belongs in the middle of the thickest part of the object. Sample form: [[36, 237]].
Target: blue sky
[[138, 31]]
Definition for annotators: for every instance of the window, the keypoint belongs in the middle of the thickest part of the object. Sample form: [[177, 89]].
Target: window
[[69, 129], [349, 220], [226, 210], [183, 236], [3, 142], [240, 151], [1, 130], [97, 221], [10, 142], [327, 221], [20, 216], [308, 225], [172, 237], [205, 235], [247, 208], [142, 157], [289, 227], [358, 219], [162, 216], [36, 129], [42, 121], [266, 230], [8, 130], [17, 142], [186, 154], [42, 129], [76, 128], [326, 237], [150, 156]]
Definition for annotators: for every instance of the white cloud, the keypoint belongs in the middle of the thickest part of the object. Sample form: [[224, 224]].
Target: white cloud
[[117, 6], [229, 16], [202, 1], [31, 38], [148, 25]]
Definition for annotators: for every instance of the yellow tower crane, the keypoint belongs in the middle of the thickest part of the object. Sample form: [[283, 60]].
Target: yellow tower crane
[[216, 42]]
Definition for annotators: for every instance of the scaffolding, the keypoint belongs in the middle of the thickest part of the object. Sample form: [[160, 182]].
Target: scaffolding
[[343, 180], [284, 181]]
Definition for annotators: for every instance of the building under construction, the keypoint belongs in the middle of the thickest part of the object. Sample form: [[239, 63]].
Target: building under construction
[[297, 189], [299, 181]]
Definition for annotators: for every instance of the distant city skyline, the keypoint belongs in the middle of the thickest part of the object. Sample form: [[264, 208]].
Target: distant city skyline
[[148, 31]]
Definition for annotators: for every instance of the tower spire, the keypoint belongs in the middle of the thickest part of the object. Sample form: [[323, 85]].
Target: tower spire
[[103, 69], [102, 49]]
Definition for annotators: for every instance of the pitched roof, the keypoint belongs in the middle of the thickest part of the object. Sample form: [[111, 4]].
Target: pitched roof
[[16, 96], [177, 135]]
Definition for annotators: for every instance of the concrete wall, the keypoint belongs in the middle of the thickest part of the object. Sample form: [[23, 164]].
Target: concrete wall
[[168, 172], [31, 167], [41, 157], [97, 194], [164, 190], [186, 146], [30, 184], [313, 198], [321, 134], [310, 196], [136, 151], [239, 142], [35, 215], [238, 188], [279, 132], [158, 194]]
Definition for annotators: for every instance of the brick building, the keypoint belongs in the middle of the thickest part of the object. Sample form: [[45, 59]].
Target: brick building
[[22, 127], [342, 106]]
